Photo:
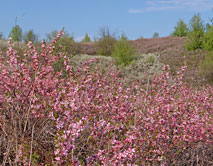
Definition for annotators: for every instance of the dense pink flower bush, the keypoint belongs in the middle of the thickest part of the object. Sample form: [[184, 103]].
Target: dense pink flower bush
[[98, 121]]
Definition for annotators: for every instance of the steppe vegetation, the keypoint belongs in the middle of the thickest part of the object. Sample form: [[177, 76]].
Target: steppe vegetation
[[108, 102]]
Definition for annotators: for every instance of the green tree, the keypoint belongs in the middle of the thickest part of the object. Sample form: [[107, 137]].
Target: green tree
[[30, 36], [50, 36], [66, 42], [106, 41], [1, 35], [207, 67], [208, 27], [196, 33], [208, 40], [156, 35], [180, 29], [123, 52], [123, 37], [86, 38], [16, 33]]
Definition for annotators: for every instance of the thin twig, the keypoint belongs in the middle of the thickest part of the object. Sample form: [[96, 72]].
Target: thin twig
[[147, 87], [7, 153], [28, 112], [31, 149], [16, 135]]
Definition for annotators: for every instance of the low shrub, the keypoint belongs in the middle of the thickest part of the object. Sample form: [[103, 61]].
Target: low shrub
[[105, 46], [90, 118]]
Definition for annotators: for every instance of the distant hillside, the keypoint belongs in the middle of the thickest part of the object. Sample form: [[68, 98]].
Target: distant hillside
[[159, 45], [170, 50]]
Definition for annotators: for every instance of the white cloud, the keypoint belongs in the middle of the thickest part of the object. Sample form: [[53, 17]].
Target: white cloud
[[165, 5], [150, 9]]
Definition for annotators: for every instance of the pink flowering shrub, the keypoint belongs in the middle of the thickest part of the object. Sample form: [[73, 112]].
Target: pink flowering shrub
[[91, 118]]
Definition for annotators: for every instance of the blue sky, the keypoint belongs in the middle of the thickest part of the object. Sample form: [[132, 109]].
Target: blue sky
[[133, 17]]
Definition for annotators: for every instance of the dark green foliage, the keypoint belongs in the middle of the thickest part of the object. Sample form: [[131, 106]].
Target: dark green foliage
[[207, 67], [196, 33], [30, 36], [16, 33], [181, 29], [106, 42], [156, 35], [123, 52], [86, 38], [208, 40], [1, 35]]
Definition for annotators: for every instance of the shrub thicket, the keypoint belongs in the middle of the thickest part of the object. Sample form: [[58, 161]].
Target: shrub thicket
[[90, 118]]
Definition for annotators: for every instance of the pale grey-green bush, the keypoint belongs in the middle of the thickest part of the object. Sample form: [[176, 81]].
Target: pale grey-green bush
[[145, 65], [140, 68]]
